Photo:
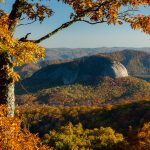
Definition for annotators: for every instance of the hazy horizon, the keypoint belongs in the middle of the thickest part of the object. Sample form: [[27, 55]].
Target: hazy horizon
[[97, 47]]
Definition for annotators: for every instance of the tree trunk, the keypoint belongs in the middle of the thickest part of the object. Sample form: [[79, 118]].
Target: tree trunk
[[7, 95]]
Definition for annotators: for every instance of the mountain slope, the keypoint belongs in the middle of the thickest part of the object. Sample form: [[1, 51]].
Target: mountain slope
[[86, 70], [43, 118], [136, 62], [106, 91]]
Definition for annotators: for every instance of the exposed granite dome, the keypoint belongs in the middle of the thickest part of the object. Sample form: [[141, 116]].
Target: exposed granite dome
[[86, 69], [115, 70]]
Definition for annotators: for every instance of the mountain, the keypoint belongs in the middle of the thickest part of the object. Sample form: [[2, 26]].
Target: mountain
[[136, 62], [92, 80], [71, 53], [85, 70]]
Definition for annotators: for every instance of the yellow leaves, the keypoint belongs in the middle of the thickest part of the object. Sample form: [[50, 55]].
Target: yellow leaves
[[11, 73], [27, 52], [75, 137], [12, 137], [144, 136], [108, 136], [21, 52]]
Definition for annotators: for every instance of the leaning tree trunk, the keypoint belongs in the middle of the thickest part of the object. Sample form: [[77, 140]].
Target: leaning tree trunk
[[7, 95]]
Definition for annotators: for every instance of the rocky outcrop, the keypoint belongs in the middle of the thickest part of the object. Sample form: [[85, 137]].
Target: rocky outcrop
[[85, 70], [115, 70]]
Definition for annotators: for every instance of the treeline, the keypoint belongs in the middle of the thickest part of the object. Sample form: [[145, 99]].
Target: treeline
[[104, 91], [71, 137], [111, 127], [41, 119]]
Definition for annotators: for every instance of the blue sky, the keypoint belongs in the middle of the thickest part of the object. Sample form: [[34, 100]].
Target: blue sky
[[82, 34]]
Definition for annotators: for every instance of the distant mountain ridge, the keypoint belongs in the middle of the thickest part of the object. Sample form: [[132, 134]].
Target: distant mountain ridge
[[71, 53], [136, 62]]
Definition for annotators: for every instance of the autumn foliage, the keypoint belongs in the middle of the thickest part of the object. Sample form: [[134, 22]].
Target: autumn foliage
[[12, 137], [75, 137], [112, 12], [22, 52]]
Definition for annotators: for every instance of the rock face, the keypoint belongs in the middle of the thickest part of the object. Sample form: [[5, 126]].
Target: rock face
[[116, 70], [83, 70]]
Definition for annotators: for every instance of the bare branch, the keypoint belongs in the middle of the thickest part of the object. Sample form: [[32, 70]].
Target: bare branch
[[24, 38], [92, 23], [26, 23], [23, 18], [63, 26], [80, 17]]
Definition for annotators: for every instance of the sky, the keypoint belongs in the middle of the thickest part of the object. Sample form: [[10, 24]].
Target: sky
[[81, 35]]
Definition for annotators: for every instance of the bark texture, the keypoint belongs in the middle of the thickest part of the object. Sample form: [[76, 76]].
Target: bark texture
[[7, 84]]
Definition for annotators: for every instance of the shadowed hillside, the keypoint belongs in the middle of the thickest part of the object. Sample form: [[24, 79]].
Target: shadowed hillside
[[136, 62], [106, 91], [85, 70], [44, 118]]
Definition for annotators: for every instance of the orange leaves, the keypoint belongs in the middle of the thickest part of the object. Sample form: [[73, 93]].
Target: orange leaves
[[112, 12], [12, 137], [35, 11], [136, 2], [21, 52], [144, 136], [11, 73], [140, 22], [5, 37], [27, 52]]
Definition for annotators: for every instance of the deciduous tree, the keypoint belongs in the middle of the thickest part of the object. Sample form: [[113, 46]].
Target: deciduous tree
[[15, 52]]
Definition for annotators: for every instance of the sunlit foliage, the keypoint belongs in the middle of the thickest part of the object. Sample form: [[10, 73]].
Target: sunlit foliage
[[144, 136], [21, 52], [106, 91], [12, 137], [75, 137], [111, 12]]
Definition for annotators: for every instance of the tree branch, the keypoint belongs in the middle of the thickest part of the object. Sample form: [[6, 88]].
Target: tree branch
[[92, 23], [24, 38], [76, 18], [63, 26], [69, 23], [16, 14], [26, 23]]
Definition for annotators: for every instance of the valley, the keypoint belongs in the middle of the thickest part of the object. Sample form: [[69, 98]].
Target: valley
[[83, 94]]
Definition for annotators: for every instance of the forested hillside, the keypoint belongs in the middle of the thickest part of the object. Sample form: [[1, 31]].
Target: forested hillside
[[105, 91], [118, 127]]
